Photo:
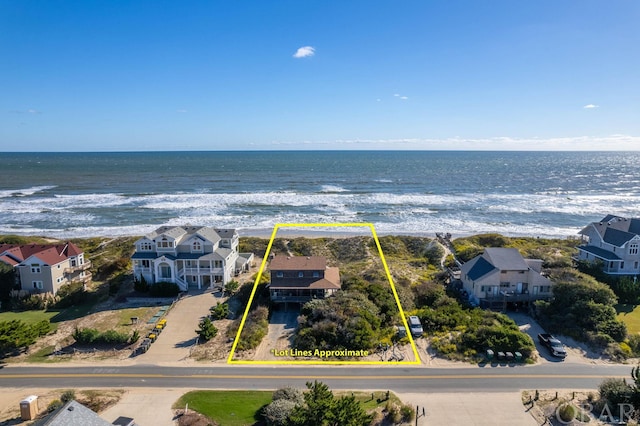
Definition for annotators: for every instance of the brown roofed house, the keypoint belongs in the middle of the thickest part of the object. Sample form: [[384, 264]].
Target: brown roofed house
[[299, 279]]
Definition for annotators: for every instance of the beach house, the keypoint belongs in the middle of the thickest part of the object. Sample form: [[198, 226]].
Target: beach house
[[43, 268], [614, 242], [299, 279], [501, 275], [190, 256]]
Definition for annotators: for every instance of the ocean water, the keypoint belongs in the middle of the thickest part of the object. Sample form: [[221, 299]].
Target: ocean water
[[546, 194]]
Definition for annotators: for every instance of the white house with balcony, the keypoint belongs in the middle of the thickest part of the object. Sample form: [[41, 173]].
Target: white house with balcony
[[190, 256], [614, 242]]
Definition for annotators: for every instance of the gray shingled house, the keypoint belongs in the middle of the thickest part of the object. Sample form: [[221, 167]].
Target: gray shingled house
[[614, 242]]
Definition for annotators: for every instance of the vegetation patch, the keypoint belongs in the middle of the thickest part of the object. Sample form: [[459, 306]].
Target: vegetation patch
[[582, 308], [232, 408], [16, 335]]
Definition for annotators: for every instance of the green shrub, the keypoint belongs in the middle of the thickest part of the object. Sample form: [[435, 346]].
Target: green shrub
[[16, 335], [86, 336], [220, 311], [231, 287], [54, 405], [71, 294], [164, 289], [255, 328], [68, 395], [206, 330], [141, 285]]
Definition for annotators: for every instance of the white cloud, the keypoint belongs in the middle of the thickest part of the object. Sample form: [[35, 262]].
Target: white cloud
[[591, 106], [397, 95], [304, 52], [181, 110], [404, 98]]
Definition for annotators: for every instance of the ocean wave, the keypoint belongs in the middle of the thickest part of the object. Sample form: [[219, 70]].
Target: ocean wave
[[535, 214], [24, 192], [331, 189]]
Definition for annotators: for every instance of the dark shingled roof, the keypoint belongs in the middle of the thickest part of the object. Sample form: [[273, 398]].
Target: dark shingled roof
[[601, 253], [616, 237], [481, 268]]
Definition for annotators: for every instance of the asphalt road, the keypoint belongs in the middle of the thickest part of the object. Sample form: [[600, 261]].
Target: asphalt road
[[400, 379]]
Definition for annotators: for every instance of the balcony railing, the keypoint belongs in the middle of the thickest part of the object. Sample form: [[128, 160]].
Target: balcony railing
[[516, 297], [200, 271], [78, 268]]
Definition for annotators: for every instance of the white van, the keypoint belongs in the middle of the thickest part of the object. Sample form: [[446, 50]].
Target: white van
[[415, 326]]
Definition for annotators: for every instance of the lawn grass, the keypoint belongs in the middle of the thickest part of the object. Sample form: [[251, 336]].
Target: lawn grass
[[30, 317], [379, 398], [229, 408], [630, 315]]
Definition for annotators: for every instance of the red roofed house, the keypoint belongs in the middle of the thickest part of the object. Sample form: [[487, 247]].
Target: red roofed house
[[299, 279], [43, 268]]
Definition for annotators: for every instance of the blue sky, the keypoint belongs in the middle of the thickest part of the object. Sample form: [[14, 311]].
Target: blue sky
[[224, 75]]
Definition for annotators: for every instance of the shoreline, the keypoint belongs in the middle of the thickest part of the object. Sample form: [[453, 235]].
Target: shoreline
[[306, 232]]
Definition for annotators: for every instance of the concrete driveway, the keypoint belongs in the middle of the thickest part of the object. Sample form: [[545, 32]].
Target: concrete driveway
[[176, 340], [576, 352]]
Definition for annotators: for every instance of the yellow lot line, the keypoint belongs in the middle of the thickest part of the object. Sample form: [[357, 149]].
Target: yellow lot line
[[308, 377]]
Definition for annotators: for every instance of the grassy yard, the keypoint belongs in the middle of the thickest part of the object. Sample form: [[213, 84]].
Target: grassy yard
[[29, 317], [630, 315], [229, 408], [241, 408]]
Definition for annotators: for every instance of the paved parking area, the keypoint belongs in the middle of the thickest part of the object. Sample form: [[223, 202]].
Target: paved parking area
[[175, 342], [473, 409], [147, 407]]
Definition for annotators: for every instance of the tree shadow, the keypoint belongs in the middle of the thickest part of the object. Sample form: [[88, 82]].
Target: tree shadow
[[186, 343]]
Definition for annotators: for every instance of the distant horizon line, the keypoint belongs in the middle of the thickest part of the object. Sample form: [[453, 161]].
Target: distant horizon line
[[315, 150]]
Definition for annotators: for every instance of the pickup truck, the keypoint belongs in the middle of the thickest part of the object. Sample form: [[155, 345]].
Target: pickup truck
[[554, 345]]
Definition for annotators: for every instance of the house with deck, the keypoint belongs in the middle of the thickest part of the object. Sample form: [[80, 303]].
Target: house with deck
[[614, 242], [190, 256], [501, 275], [299, 279], [44, 268]]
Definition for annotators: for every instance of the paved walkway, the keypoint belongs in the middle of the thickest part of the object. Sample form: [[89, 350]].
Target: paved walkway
[[176, 340]]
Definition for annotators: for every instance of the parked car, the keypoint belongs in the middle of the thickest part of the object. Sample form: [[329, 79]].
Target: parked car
[[415, 326], [554, 345]]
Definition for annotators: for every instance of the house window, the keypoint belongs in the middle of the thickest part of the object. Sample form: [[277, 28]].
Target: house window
[[38, 285], [545, 289], [279, 274], [483, 288], [146, 246], [197, 246], [146, 263], [505, 284], [635, 265], [35, 268], [164, 243], [316, 274], [621, 265], [300, 274], [73, 262], [633, 248]]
